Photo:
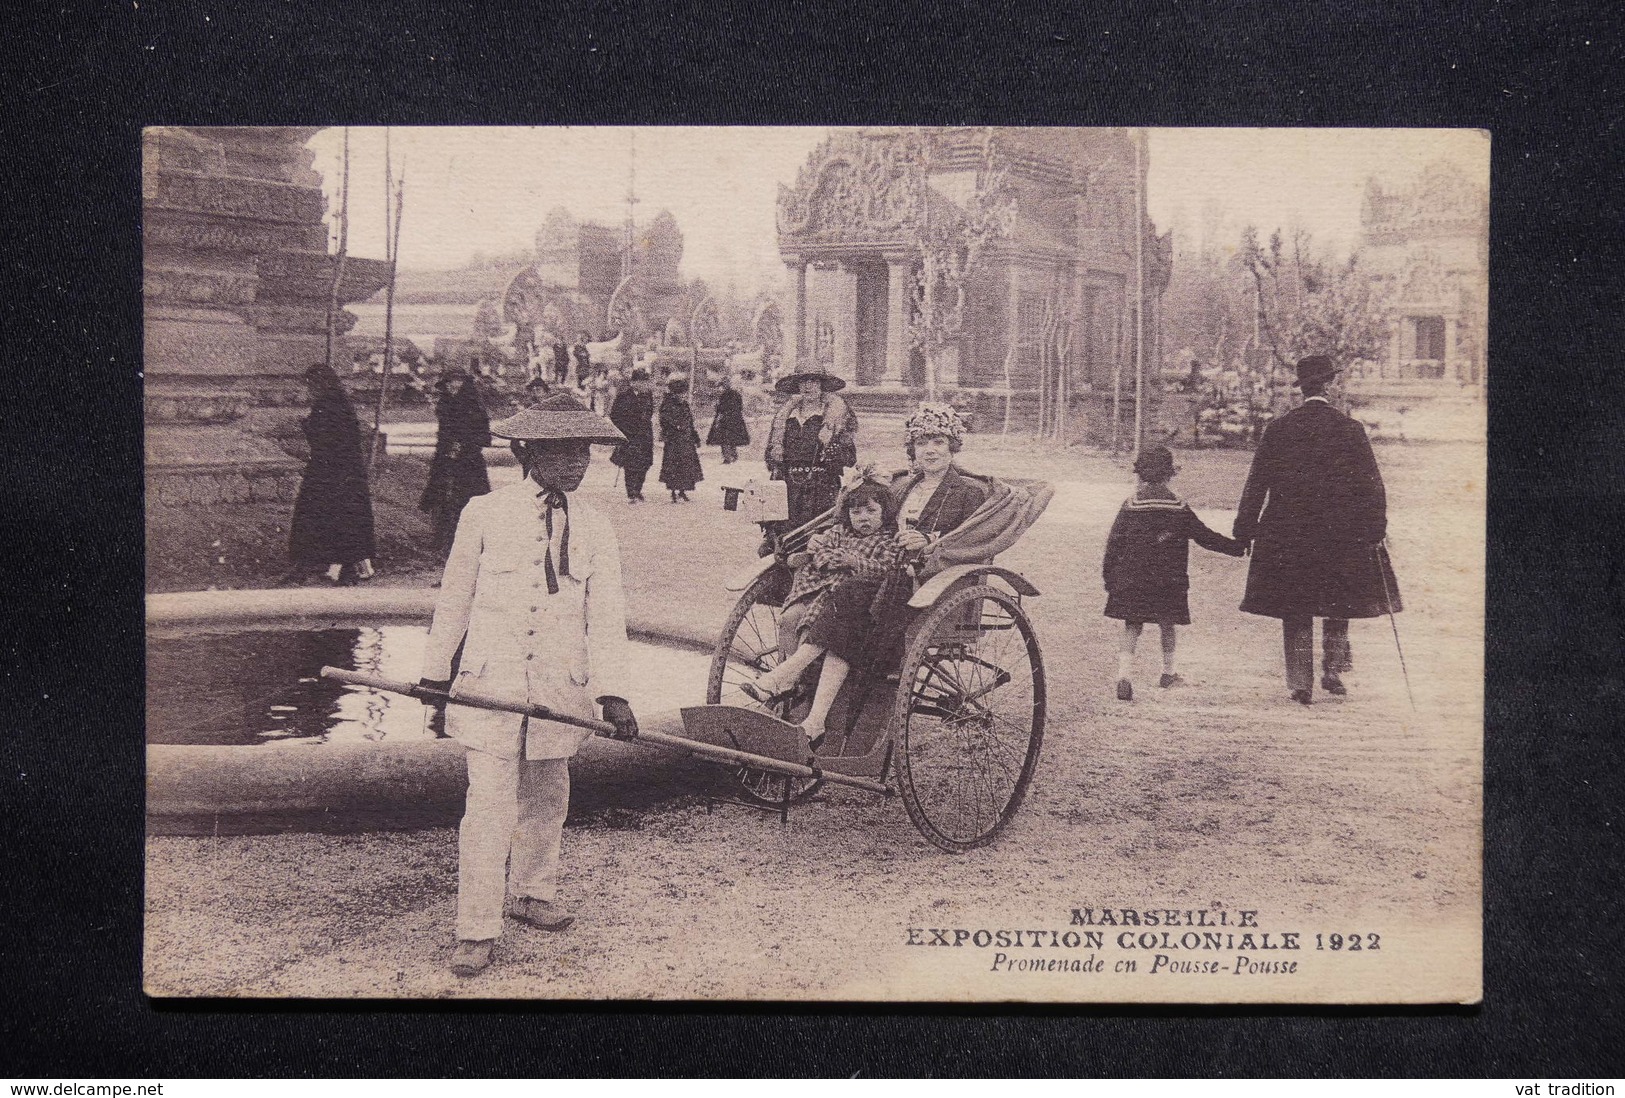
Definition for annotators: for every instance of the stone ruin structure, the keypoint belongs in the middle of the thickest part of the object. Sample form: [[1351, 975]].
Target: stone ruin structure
[[575, 283], [236, 283]]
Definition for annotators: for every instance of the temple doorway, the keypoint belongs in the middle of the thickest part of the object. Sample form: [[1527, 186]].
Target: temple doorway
[[871, 322]]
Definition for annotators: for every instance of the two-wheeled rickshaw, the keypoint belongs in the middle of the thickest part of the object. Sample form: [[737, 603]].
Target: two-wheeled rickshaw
[[955, 725]]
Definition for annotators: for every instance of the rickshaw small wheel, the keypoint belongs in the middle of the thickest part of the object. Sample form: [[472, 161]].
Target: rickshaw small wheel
[[752, 631]]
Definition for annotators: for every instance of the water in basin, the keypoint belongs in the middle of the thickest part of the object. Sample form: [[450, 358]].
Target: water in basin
[[254, 687]]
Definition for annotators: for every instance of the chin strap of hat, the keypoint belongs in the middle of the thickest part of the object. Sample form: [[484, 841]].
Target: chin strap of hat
[[552, 500]]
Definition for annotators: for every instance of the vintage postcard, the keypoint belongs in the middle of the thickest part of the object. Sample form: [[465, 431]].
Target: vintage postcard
[[895, 563]]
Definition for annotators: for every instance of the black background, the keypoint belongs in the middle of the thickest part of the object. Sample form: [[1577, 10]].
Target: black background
[[82, 81]]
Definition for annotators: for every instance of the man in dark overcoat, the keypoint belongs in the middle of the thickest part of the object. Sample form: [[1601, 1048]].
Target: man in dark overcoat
[[633, 413], [1316, 514]]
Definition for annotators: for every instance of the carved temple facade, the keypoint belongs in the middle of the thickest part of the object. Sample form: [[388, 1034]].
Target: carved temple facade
[[1053, 294], [1426, 248], [236, 283]]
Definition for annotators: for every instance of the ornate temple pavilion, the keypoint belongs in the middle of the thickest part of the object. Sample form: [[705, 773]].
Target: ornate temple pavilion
[[1051, 301]]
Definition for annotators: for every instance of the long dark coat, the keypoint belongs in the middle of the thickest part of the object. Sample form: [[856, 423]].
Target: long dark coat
[[1315, 510], [728, 425], [1146, 568], [633, 412], [457, 470], [332, 515], [680, 459]]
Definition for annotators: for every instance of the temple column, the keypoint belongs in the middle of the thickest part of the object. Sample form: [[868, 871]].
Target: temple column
[[795, 327], [899, 274], [1392, 369], [1451, 348]]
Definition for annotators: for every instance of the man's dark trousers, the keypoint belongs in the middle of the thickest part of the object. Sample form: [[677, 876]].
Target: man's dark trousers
[[1298, 636]]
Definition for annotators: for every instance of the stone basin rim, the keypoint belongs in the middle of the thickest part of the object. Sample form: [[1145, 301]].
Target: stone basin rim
[[192, 781], [176, 612]]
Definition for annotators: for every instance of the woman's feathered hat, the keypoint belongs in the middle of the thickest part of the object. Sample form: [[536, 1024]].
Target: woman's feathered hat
[[557, 416], [935, 418]]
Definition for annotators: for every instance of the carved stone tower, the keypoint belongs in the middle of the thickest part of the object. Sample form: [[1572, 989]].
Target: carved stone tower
[[236, 283]]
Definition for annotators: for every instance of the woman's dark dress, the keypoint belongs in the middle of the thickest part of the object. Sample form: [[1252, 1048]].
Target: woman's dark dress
[[1147, 554], [457, 470], [728, 426], [810, 485], [680, 460], [332, 516]]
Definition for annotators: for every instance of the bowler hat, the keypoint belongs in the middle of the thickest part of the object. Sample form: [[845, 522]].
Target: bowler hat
[[557, 416], [791, 383], [1315, 370]]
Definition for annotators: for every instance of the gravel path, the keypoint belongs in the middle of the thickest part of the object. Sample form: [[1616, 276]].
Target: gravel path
[[1358, 814]]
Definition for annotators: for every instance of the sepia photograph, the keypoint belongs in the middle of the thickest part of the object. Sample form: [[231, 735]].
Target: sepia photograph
[[853, 564]]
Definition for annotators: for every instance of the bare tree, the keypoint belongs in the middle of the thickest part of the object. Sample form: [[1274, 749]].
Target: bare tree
[[1307, 306], [951, 241]]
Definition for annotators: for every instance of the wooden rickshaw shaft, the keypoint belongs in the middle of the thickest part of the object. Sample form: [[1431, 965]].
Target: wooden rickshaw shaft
[[602, 728]]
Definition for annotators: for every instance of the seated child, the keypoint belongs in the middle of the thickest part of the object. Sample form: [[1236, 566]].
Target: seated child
[[850, 564], [1146, 559]]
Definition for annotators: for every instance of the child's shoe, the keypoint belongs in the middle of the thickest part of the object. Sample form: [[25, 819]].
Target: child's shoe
[[1170, 680], [1125, 690]]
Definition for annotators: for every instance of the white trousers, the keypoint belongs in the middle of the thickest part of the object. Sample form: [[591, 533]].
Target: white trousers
[[516, 806]]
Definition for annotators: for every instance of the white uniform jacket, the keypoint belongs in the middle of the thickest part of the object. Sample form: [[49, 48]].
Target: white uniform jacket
[[562, 650]]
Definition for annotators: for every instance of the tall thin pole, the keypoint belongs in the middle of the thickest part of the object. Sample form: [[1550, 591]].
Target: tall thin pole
[[630, 244], [344, 248], [1139, 292], [392, 233]]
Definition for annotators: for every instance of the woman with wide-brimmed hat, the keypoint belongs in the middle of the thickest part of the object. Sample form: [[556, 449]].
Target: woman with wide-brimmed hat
[[814, 437], [680, 458]]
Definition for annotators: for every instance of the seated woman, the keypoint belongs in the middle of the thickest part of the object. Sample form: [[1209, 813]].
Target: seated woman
[[946, 516], [851, 566]]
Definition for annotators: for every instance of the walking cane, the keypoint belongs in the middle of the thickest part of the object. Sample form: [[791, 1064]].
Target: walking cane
[[1377, 555]]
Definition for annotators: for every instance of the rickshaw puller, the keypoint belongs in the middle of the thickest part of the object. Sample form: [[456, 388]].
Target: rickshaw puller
[[532, 594]]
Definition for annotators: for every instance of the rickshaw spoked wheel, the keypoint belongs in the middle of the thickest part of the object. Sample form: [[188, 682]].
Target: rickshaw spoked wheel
[[748, 647], [968, 720]]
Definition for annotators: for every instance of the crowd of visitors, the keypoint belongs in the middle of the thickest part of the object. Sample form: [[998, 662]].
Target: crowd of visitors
[[1312, 515]]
